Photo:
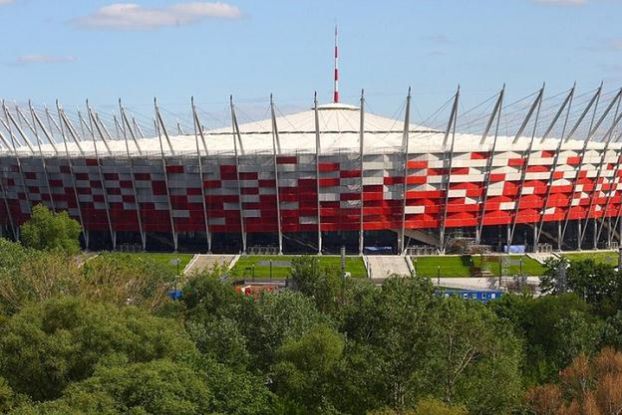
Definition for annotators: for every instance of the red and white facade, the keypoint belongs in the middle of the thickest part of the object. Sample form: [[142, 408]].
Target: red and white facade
[[333, 168]]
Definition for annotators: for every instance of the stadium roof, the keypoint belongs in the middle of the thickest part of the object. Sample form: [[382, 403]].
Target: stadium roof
[[339, 126]]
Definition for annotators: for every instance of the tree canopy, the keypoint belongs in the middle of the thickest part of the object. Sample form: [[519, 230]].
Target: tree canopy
[[46, 230]]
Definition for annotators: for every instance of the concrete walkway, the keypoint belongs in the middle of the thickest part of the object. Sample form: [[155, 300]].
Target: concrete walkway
[[381, 266], [200, 263], [480, 283]]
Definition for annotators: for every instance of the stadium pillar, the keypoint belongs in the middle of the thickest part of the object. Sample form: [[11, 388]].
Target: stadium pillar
[[535, 107], [496, 113], [237, 136], [85, 232], [593, 195], [591, 132], [362, 171], [130, 160], [276, 149], [447, 165], [18, 162], [102, 179], [406, 150], [566, 105], [198, 131], [579, 230], [8, 210], [157, 124], [317, 174]]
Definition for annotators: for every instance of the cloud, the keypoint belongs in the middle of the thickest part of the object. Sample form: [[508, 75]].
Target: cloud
[[561, 2], [43, 59], [5, 2], [130, 16], [439, 39]]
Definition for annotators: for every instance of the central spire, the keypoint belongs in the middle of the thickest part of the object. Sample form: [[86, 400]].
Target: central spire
[[336, 85]]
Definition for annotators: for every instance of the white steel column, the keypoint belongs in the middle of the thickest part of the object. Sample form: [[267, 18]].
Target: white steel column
[[113, 233], [566, 105], [594, 193], [591, 133], [276, 147], [451, 129], [130, 160], [85, 232], [158, 124], [317, 174], [362, 169], [198, 130], [537, 105], [236, 137], [406, 151], [495, 115], [43, 162]]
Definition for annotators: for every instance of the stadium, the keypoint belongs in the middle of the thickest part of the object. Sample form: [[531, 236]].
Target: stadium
[[540, 174]]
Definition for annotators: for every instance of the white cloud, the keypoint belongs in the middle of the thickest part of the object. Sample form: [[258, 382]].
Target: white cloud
[[44, 59], [130, 16], [561, 2]]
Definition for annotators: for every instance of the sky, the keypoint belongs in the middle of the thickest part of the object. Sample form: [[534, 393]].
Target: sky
[[104, 50]]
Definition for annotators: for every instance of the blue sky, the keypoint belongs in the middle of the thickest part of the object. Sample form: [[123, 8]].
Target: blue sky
[[102, 50]]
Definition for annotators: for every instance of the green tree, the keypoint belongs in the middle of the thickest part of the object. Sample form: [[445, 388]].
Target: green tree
[[473, 358], [555, 328], [305, 368], [156, 387], [46, 230], [322, 284], [47, 346], [597, 283]]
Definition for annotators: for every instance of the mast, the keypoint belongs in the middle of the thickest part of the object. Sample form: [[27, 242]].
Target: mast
[[336, 79]]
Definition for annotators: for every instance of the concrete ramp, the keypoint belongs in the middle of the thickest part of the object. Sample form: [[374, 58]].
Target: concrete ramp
[[202, 263], [380, 266]]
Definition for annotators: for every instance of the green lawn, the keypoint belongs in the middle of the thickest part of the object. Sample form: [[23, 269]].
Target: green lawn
[[164, 259], [462, 266], [604, 257], [260, 266]]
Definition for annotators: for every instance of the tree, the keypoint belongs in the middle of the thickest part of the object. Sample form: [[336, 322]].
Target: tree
[[587, 386], [597, 283], [28, 275], [427, 406], [556, 328], [125, 279], [47, 346], [305, 368], [322, 284], [46, 230], [156, 387], [473, 358]]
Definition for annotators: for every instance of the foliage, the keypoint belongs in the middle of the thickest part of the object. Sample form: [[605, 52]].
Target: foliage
[[47, 346], [125, 279], [324, 285], [598, 283], [46, 230], [305, 368], [587, 386], [159, 386]]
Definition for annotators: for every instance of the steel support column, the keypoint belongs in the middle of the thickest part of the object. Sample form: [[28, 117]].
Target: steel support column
[[451, 129], [362, 171], [566, 105], [236, 137], [198, 130], [158, 124], [591, 132], [406, 151], [276, 147], [317, 174], [495, 115], [536, 106], [85, 232], [130, 160], [113, 233]]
